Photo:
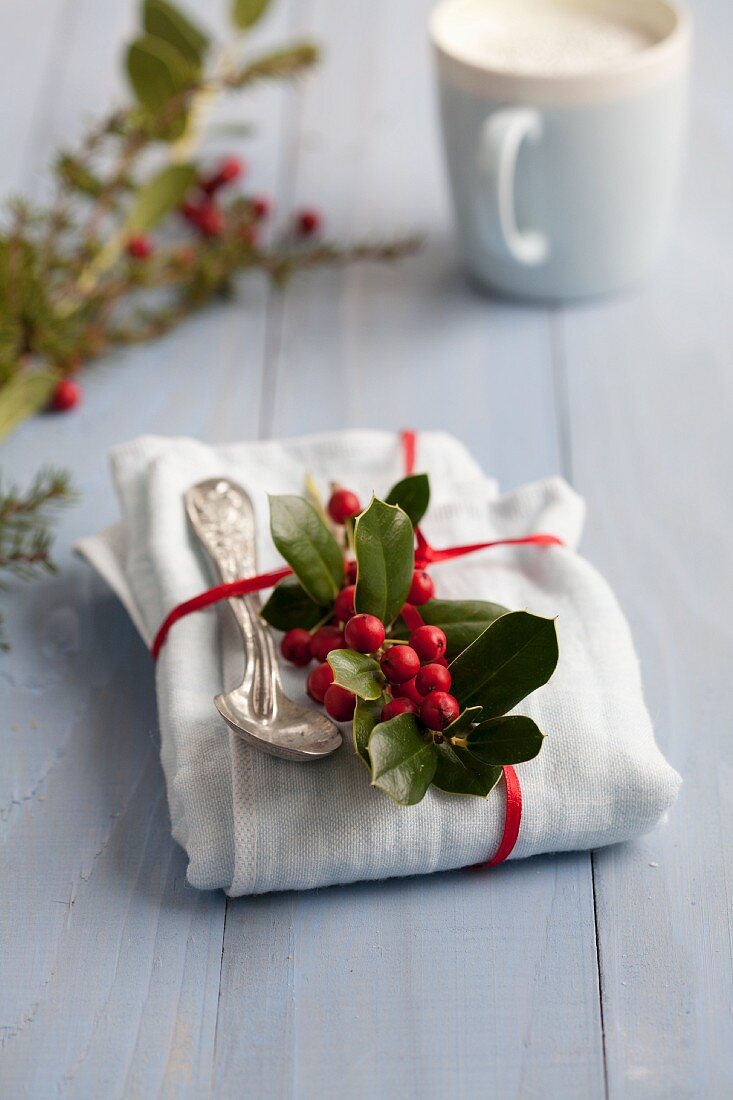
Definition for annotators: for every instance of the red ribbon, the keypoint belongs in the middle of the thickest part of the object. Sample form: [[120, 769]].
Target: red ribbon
[[214, 595], [425, 554]]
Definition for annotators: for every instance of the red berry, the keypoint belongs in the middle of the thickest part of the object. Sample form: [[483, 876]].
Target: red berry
[[433, 678], [230, 169], [340, 703], [395, 707], [400, 663], [319, 681], [308, 222], [66, 395], [422, 588], [190, 210], [364, 633], [210, 220], [343, 505], [439, 709], [261, 208], [324, 640], [429, 642], [351, 572], [440, 661], [343, 605], [408, 690], [296, 647], [140, 246]]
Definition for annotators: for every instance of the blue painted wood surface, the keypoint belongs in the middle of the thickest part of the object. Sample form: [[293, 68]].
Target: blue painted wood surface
[[585, 976]]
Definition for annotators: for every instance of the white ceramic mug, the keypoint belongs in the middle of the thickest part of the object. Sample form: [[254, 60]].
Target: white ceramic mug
[[564, 183]]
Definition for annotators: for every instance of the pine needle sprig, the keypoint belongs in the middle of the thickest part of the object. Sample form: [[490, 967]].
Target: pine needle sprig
[[26, 520]]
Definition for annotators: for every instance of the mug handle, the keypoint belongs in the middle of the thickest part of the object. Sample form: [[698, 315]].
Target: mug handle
[[502, 135]]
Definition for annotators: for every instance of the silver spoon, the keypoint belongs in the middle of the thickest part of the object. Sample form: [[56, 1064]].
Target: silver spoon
[[258, 710]]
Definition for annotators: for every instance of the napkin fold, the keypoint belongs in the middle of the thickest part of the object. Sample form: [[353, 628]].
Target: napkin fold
[[251, 823]]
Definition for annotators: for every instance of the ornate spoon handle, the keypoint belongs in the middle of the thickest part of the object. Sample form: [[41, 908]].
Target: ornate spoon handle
[[222, 516]]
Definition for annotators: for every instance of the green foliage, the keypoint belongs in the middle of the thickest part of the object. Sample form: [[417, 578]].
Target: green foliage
[[459, 772], [357, 672], [163, 20], [246, 12], [25, 525], [290, 605], [308, 547], [159, 75], [462, 621], [511, 739], [385, 554], [366, 717], [465, 720], [403, 759], [161, 194], [514, 656], [77, 176], [412, 495], [23, 395], [279, 65]]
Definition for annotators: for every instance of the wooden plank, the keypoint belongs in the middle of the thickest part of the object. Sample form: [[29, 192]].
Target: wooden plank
[[649, 389], [30, 49], [456, 985], [460, 984], [111, 963]]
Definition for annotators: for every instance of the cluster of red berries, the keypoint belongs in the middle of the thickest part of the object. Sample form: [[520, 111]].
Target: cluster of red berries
[[202, 211], [417, 673]]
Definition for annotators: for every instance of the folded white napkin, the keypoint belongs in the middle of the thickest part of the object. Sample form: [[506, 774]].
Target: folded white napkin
[[252, 823]]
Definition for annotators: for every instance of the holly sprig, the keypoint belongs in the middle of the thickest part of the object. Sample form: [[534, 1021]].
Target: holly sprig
[[142, 232], [428, 691]]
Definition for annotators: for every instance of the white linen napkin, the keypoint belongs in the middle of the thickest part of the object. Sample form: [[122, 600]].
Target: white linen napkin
[[251, 823]]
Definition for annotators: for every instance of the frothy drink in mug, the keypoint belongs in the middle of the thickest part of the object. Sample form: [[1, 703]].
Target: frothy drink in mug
[[563, 123], [543, 36]]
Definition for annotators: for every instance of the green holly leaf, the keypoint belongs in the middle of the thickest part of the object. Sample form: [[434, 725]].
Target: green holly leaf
[[247, 12], [458, 772], [514, 656], [308, 547], [460, 620], [463, 722], [412, 494], [508, 740], [290, 605], [163, 20], [357, 672], [22, 395], [366, 717], [403, 761], [384, 542], [161, 194], [158, 73]]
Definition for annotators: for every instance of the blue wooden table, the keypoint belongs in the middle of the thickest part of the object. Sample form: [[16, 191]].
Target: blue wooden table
[[590, 975]]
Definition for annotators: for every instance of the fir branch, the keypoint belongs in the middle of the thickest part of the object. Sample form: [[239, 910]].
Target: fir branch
[[25, 526]]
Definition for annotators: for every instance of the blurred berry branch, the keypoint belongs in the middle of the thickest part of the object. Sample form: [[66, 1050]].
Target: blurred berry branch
[[139, 234]]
